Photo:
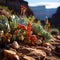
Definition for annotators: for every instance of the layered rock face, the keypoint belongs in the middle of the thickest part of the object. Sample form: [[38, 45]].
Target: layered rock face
[[15, 6]]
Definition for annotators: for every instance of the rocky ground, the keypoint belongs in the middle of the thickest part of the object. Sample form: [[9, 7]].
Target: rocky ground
[[17, 51]]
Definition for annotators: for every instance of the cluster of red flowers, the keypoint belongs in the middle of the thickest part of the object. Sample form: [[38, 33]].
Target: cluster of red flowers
[[28, 31], [20, 26], [23, 7], [28, 37]]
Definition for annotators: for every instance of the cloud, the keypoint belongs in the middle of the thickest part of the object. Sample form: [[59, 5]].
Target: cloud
[[47, 4]]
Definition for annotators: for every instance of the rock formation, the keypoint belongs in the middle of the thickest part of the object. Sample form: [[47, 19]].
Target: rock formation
[[15, 6], [56, 18]]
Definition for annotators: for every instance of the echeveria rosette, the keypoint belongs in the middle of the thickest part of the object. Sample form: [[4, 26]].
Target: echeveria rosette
[[13, 26], [14, 38], [4, 24], [29, 19], [15, 19], [1, 26]]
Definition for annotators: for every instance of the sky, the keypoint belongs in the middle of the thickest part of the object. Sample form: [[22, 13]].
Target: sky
[[48, 3]]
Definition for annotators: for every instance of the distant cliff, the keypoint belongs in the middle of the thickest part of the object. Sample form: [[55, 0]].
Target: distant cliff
[[56, 18], [41, 12]]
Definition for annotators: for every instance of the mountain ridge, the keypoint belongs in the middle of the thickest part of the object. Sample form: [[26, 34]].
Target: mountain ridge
[[41, 12]]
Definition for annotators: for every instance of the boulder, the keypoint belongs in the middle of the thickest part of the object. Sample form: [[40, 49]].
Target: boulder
[[46, 49], [24, 51], [32, 52], [36, 53], [10, 54]]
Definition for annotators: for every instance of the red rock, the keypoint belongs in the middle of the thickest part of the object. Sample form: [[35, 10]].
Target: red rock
[[28, 58], [37, 51], [10, 54]]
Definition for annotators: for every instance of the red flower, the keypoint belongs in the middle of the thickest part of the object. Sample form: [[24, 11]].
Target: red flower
[[28, 31], [33, 38], [23, 7], [20, 26]]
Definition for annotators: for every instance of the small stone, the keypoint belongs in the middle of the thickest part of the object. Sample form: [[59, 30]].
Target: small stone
[[15, 45]]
